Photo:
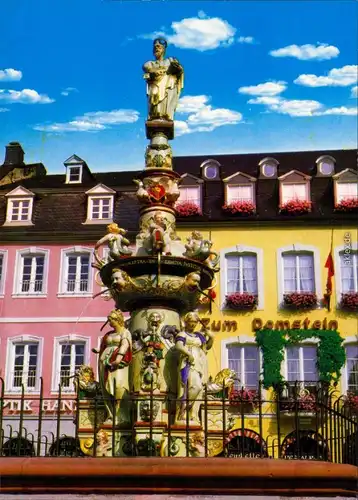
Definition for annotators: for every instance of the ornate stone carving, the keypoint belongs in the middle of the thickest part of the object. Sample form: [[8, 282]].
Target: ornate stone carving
[[199, 248], [193, 369], [85, 382], [223, 382], [146, 413], [116, 242], [165, 80]]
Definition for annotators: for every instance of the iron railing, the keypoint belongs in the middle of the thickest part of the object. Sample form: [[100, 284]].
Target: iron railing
[[243, 425]]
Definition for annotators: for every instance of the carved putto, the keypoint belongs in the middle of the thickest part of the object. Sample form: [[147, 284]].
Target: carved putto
[[224, 381], [85, 381], [165, 80], [158, 234], [116, 242], [199, 248]]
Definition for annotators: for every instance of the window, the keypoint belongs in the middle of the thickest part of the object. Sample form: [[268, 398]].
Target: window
[[72, 357], [74, 174], [191, 194], [346, 191], [101, 208], [245, 361], [31, 272], [349, 272], [210, 169], [293, 192], [301, 366], [23, 364], [268, 167], [298, 270], [3, 255], [325, 165], [242, 273], [352, 368], [20, 210], [71, 351], [77, 273], [240, 193]]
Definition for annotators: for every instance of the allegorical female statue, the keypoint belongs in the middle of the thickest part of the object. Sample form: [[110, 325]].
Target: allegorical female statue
[[165, 80], [193, 366], [115, 354]]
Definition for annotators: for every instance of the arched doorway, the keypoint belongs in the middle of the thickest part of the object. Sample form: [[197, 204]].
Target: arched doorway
[[66, 446], [304, 445], [18, 447], [245, 443]]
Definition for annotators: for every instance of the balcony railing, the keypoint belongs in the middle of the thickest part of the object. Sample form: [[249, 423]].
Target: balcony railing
[[30, 286], [77, 286], [26, 378]]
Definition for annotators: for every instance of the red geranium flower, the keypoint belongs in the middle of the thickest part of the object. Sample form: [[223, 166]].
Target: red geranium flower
[[296, 207], [349, 301], [302, 300], [187, 208], [239, 301], [239, 207], [348, 205]]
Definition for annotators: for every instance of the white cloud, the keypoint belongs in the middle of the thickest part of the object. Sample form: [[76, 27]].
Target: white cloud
[[200, 33], [337, 77], [264, 89], [25, 96], [354, 91], [68, 91], [340, 111], [202, 116], [319, 52], [192, 103], [4, 110], [300, 107], [245, 39], [10, 75], [92, 121]]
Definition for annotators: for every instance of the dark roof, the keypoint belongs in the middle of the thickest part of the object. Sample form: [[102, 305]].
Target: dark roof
[[60, 209]]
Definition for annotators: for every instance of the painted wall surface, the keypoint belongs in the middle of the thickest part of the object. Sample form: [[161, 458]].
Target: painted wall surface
[[52, 316]]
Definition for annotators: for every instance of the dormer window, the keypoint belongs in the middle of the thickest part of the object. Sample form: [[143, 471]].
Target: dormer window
[[190, 193], [325, 166], [239, 187], [294, 186], [74, 169], [74, 174], [100, 205], [210, 170], [19, 207], [346, 189], [268, 168]]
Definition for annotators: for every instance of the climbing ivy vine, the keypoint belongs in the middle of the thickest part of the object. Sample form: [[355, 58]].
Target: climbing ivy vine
[[330, 353]]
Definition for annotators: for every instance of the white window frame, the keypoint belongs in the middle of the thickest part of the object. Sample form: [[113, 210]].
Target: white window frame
[[198, 189], [9, 211], [337, 268], [68, 174], [30, 252], [298, 247], [352, 340], [10, 358], [326, 159], [57, 353], [101, 220], [312, 342], [287, 184], [248, 184], [242, 249], [65, 252], [3, 255], [242, 341], [340, 198]]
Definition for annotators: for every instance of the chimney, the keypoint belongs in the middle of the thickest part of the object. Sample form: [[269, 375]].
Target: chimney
[[14, 154]]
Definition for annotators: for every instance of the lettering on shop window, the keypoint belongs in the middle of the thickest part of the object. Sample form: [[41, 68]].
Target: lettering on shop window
[[48, 405]]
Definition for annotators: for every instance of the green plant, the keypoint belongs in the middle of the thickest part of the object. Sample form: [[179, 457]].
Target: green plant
[[330, 353]]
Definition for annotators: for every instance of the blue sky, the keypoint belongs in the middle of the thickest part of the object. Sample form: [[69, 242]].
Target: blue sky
[[259, 77]]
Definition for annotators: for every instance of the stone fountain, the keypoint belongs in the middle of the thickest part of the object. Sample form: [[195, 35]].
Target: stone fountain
[[153, 366]]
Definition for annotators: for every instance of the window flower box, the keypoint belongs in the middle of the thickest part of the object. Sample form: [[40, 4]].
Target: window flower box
[[348, 205], [349, 301], [239, 208], [302, 300], [247, 399], [241, 301], [305, 402], [296, 207], [187, 209]]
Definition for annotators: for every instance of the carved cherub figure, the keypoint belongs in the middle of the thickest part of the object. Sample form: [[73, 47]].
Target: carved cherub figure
[[200, 249], [116, 241], [160, 234], [142, 193]]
